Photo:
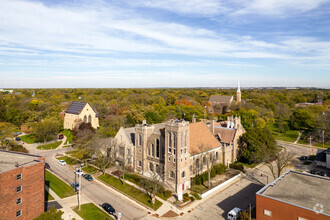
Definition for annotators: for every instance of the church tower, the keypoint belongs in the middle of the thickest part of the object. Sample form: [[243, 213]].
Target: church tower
[[238, 94]]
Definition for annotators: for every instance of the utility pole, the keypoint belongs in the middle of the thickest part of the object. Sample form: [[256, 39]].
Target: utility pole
[[323, 138], [80, 187]]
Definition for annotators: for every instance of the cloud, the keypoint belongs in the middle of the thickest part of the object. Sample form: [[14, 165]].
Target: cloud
[[192, 7], [277, 7]]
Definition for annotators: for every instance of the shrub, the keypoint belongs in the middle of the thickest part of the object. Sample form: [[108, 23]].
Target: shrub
[[196, 196], [168, 193], [237, 167], [192, 198], [186, 195]]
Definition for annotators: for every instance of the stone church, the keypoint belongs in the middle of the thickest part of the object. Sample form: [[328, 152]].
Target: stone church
[[177, 150]]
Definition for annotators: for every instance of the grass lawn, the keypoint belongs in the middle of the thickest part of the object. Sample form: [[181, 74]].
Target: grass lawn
[[68, 160], [91, 211], [29, 138], [50, 146], [290, 136], [58, 186], [68, 135], [90, 169], [130, 190], [48, 197], [199, 189], [326, 145]]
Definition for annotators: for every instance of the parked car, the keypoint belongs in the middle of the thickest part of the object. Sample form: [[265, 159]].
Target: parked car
[[313, 171], [108, 208], [17, 138], [233, 214], [61, 136], [75, 185], [303, 158], [47, 166], [78, 172], [88, 177], [62, 162]]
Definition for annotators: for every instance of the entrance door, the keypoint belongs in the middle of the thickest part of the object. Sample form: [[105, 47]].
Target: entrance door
[[182, 186]]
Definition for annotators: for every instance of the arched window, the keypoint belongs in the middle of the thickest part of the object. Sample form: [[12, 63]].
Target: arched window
[[217, 155], [151, 167], [157, 169], [197, 164], [204, 161], [85, 119], [171, 174], [140, 140], [152, 150], [157, 148], [148, 151], [89, 119], [183, 174]]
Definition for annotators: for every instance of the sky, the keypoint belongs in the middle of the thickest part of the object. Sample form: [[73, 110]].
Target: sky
[[164, 43]]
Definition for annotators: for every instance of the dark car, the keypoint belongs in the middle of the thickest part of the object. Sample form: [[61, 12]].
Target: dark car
[[17, 138], [88, 177], [75, 185], [313, 171], [108, 208], [303, 158], [47, 166], [61, 136]]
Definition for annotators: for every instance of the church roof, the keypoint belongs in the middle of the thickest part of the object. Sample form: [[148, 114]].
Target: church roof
[[226, 135], [76, 107], [201, 139], [221, 98]]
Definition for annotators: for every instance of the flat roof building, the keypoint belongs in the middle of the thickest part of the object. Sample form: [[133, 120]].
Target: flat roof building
[[295, 195], [22, 185]]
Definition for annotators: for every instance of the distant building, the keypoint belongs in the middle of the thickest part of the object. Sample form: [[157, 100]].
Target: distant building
[[322, 158], [295, 195], [80, 112], [176, 150], [221, 99], [22, 185], [6, 90]]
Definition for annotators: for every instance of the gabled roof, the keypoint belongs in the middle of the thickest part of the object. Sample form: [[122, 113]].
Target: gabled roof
[[76, 107], [221, 98], [130, 134], [200, 135], [226, 135]]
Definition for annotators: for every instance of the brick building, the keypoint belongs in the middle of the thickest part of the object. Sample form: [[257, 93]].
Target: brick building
[[177, 150], [22, 185], [295, 195]]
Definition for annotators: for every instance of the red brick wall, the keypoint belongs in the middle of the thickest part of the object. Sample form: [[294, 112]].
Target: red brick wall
[[283, 211], [32, 194]]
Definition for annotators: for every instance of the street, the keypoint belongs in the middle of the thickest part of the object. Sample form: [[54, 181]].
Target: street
[[94, 191]]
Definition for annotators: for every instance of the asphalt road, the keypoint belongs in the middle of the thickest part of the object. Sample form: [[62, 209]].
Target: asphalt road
[[93, 190]]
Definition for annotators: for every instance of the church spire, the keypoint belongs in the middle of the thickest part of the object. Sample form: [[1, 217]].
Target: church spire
[[238, 93]]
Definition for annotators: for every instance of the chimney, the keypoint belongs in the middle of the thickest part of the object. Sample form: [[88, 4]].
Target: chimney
[[212, 126], [144, 122]]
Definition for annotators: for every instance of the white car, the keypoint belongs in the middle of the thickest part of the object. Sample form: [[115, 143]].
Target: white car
[[62, 162], [233, 214], [78, 172]]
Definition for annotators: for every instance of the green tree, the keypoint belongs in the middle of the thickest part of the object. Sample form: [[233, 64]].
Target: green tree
[[302, 119], [46, 129], [255, 143], [51, 214]]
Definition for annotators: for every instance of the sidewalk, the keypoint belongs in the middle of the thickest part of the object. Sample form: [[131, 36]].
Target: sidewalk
[[66, 204]]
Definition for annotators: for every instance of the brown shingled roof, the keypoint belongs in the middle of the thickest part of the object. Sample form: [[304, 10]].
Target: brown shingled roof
[[225, 135], [221, 98], [200, 135]]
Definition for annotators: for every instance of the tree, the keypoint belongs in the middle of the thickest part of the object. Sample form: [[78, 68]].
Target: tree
[[106, 152], [46, 129], [6, 132], [209, 162], [254, 143], [51, 214], [302, 119], [283, 159]]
